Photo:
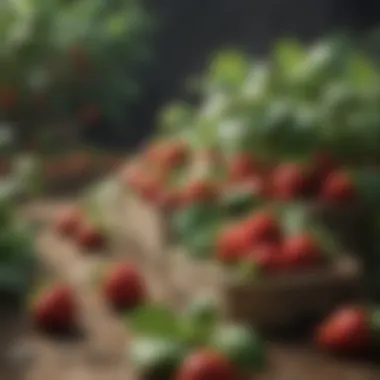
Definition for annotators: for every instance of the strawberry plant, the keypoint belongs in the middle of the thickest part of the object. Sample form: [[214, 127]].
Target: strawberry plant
[[300, 101], [164, 344], [67, 64]]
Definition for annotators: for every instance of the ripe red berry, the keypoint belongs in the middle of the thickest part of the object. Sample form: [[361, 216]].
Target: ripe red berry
[[338, 188], [241, 167], [268, 257], [68, 221], [261, 227], [231, 245], [207, 365], [89, 237], [288, 181], [174, 154], [55, 308], [124, 287], [301, 251], [347, 331], [198, 192]]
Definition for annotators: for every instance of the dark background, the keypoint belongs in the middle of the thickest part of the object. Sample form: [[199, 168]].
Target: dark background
[[191, 30]]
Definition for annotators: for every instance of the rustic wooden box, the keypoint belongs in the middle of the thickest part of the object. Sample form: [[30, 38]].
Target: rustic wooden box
[[290, 299]]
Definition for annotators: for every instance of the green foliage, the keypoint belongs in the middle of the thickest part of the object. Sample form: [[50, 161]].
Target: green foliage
[[300, 100], [71, 60], [163, 340], [242, 345]]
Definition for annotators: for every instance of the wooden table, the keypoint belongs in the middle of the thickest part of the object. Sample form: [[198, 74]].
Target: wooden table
[[99, 354]]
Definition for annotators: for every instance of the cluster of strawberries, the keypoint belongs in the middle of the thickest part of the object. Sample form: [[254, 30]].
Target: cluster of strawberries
[[151, 175], [258, 240], [56, 307], [73, 223]]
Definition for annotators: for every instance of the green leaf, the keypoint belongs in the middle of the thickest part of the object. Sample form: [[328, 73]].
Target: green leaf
[[195, 217], [288, 56], [228, 69], [242, 345], [362, 72], [294, 218], [156, 358], [199, 320], [239, 202], [155, 321], [201, 243], [330, 246]]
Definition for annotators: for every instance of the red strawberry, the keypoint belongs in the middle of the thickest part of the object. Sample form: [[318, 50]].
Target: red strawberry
[[69, 221], [198, 192], [322, 165], [55, 308], [241, 167], [267, 256], [338, 188], [347, 331], [124, 287], [89, 237], [174, 154], [288, 181], [301, 251], [149, 188], [260, 228], [231, 245], [206, 365]]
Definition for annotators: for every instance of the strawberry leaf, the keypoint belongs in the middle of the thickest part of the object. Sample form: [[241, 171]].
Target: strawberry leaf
[[294, 218], [155, 321]]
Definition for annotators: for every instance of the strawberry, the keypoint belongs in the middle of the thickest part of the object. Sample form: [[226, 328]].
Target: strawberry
[[241, 167], [55, 308], [301, 251], [338, 188], [198, 192], [149, 187], [69, 221], [123, 287], [206, 365], [153, 153], [322, 165], [89, 237], [231, 245], [259, 228], [268, 256], [346, 331], [288, 181], [174, 154]]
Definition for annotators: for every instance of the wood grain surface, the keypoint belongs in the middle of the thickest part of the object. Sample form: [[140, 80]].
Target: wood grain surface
[[100, 352]]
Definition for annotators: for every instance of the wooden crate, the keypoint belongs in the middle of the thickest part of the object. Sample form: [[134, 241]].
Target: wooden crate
[[286, 300]]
